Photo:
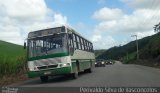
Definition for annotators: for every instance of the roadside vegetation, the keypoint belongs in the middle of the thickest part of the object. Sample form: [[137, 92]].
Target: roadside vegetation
[[149, 49], [12, 62]]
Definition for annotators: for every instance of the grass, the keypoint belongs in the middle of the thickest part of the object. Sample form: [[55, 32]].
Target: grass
[[12, 59], [10, 50]]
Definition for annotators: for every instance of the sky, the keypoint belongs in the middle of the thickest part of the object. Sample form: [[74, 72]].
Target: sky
[[106, 23]]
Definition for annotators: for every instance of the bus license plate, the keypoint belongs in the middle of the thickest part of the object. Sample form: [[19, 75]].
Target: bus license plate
[[47, 73]]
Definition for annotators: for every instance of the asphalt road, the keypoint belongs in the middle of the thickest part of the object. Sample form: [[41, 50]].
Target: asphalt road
[[117, 75]]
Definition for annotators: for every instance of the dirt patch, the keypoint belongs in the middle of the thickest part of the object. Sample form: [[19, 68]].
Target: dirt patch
[[10, 79]]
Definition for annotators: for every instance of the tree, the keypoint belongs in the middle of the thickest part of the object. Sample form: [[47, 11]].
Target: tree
[[157, 28]]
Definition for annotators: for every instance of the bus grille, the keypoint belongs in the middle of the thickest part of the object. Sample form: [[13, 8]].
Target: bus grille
[[47, 67], [42, 67], [52, 66]]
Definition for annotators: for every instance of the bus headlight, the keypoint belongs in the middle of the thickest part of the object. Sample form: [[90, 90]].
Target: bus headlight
[[33, 69], [32, 66], [30, 69], [102, 62], [64, 65]]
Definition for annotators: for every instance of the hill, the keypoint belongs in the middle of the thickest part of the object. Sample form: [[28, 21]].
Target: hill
[[12, 58], [149, 48], [10, 50], [99, 52]]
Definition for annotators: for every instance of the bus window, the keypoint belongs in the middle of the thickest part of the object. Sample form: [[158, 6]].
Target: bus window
[[77, 46], [46, 45], [74, 41], [70, 43], [78, 42], [92, 47], [82, 44], [87, 45], [85, 48]]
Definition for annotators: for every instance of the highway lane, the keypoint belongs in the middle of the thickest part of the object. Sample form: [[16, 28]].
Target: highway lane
[[117, 75]]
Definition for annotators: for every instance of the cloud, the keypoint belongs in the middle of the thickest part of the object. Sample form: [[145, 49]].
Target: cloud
[[143, 4], [96, 38], [18, 17], [10, 34], [140, 22], [103, 42], [107, 14], [144, 34]]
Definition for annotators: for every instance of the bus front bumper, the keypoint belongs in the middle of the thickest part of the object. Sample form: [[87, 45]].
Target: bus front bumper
[[50, 72]]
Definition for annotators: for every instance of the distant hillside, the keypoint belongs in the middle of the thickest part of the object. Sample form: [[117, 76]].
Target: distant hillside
[[99, 52], [149, 47]]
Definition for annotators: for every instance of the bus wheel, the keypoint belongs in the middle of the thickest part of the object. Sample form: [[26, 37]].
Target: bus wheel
[[75, 74], [44, 78], [88, 70]]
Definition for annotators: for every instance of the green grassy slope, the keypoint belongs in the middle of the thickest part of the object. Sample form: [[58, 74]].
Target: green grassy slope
[[12, 58], [10, 50]]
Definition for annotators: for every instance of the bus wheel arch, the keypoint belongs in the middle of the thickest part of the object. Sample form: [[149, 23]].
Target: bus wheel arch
[[77, 65], [75, 74], [89, 70]]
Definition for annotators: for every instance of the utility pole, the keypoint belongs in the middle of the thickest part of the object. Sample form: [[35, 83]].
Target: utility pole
[[127, 56], [136, 45]]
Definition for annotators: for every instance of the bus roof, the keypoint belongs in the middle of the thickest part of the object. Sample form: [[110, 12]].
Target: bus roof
[[50, 31], [45, 32]]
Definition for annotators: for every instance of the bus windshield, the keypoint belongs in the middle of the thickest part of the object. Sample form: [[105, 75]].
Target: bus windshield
[[47, 45]]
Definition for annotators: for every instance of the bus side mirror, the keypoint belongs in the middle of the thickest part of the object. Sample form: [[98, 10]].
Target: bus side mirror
[[24, 45]]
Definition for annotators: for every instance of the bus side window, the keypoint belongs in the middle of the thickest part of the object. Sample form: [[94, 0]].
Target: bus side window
[[89, 47], [82, 44], [92, 48], [85, 45], [78, 42], [70, 44], [74, 41]]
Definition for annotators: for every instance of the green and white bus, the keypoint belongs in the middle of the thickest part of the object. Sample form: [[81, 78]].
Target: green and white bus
[[58, 51]]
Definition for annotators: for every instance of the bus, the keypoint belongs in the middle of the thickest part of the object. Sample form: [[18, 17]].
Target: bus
[[58, 51]]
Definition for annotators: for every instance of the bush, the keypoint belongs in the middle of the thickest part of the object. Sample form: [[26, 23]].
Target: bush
[[128, 59], [10, 66]]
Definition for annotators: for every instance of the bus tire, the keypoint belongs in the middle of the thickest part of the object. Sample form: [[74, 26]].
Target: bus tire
[[88, 70], [75, 74], [44, 78]]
